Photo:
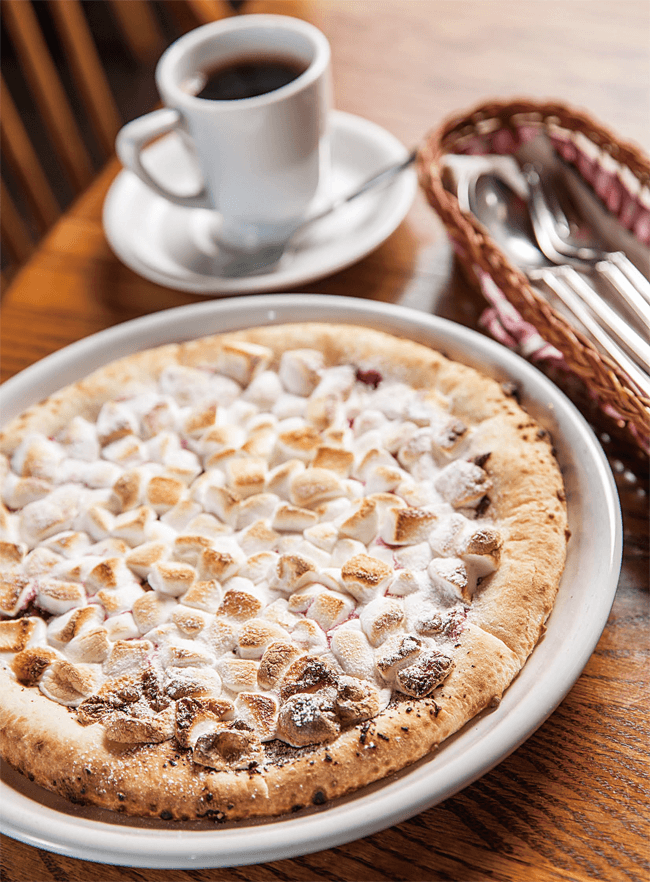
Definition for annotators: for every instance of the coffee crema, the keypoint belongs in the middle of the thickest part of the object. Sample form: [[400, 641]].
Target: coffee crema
[[240, 78]]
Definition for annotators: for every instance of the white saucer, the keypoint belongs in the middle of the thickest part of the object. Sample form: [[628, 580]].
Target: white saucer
[[172, 246]]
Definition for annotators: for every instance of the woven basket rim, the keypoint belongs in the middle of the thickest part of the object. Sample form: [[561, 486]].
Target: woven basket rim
[[477, 251]]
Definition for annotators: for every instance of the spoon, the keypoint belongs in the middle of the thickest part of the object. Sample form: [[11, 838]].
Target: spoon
[[505, 215], [242, 262]]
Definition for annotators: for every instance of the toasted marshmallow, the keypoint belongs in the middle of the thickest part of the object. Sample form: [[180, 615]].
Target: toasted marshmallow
[[362, 524], [314, 486], [64, 628], [329, 609], [109, 573], [291, 573], [66, 683], [396, 652], [462, 483], [70, 543], [406, 526], [188, 548], [246, 475], [335, 459], [220, 636], [127, 452], [199, 420], [415, 557], [92, 647], [353, 652], [300, 370], [163, 493], [310, 637], [128, 657], [242, 361], [241, 600], [188, 386], [219, 438], [134, 526], [364, 577], [37, 457], [255, 635], [58, 597], [172, 578], [275, 661], [161, 416], [18, 634], [260, 506], [238, 674], [228, 747], [182, 653], [406, 582], [221, 501], [299, 443], [181, 514], [323, 536], [481, 552], [260, 712], [422, 676], [29, 664], [151, 610], [12, 555], [122, 626], [222, 561], [307, 719], [278, 480], [205, 595], [291, 518], [97, 521], [264, 390], [381, 618], [19, 492], [41, 561], [115, 421], [53, 514], [79, 440], [259, 566], [189, 621], [121, 599], [448, 579], [258, 537], [141, 559]]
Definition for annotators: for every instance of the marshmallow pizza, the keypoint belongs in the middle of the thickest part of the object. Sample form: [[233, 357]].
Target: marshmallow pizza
[[251, 573]]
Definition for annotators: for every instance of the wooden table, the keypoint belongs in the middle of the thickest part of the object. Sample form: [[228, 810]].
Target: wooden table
[[572, 802]]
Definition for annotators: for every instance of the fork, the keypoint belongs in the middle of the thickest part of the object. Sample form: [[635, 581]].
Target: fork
[[552, 231]]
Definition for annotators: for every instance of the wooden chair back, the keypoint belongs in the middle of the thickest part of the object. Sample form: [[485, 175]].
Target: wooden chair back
[[59, 114]]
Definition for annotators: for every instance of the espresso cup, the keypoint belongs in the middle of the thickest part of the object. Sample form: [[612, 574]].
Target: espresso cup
[[250, 97]]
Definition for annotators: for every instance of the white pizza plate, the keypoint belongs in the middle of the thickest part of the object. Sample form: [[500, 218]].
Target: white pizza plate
[[32, 815], [175, 246]]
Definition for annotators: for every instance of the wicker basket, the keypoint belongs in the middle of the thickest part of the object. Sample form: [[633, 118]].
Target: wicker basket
[[497, 127]]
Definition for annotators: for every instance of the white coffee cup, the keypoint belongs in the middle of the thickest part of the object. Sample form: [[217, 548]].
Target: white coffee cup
[[261, 158]]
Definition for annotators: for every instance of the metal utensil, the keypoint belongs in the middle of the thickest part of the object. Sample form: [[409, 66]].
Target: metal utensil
[[243, 263], [505, 215], [553, 232]]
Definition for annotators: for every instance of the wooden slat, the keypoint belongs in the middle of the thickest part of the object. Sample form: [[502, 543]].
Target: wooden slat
[[87, 71], [140, 28], [13, 230], [45, 84], [19, 154]]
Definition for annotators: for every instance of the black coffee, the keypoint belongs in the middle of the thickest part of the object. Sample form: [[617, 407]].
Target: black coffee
[[246, 78]]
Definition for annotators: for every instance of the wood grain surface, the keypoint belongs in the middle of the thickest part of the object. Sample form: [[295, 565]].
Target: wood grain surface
[[572, 803]]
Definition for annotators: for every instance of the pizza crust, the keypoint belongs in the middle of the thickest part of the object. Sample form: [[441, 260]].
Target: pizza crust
[[505, 621]]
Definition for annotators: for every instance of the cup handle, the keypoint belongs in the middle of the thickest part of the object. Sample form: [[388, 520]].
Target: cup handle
[[135, 135]]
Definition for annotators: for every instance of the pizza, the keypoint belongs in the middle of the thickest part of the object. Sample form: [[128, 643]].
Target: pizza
[[247, 574]]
